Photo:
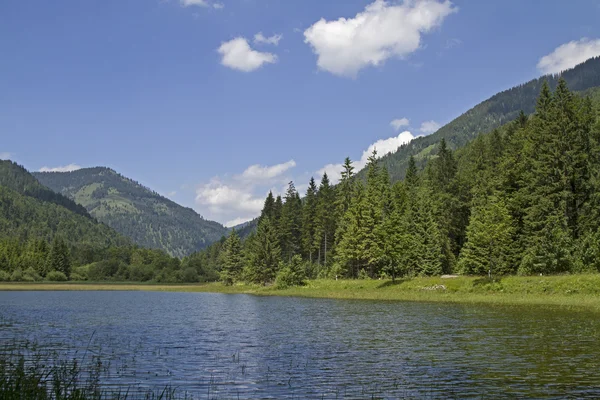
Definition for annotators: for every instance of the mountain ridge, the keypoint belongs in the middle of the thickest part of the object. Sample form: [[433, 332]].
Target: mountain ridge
[[489, 114], [134, 210]]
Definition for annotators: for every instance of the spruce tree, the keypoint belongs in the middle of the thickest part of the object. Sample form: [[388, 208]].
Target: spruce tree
[[325, 225], [264, 254], [290, 224], [232, 259], [489, 240], [309, 216]]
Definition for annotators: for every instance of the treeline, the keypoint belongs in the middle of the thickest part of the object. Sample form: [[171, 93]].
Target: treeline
[[35, 259], [523, 199], [492, 113]]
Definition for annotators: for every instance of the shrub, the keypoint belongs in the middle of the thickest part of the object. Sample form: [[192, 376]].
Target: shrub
[[189, 275], [56, 276], [17, 275], [76, 277], [31, 275], [4, 276], [292, 274]]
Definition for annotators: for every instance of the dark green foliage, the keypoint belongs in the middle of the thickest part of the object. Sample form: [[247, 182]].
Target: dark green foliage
[[264, 253], [291, 274], [489, 240], [325, 223], [232, 260], [309, 219], [290, 224], [135, 211], [59, 258]]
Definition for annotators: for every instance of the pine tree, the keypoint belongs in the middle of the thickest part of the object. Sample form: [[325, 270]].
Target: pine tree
[[350, 252], [412, 178], [290, 224], [232, 259], [325, 225], [489, 240], [59, 258], [264, 254], [309, 216]]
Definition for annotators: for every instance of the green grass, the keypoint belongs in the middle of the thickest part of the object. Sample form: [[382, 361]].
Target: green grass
[[571, 291]]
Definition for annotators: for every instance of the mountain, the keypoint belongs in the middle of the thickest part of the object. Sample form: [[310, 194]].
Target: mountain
[[245, 229], [135, 211], [30, 210], [488, 115]]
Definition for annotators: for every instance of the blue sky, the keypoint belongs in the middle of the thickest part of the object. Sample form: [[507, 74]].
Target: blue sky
[[183, 96]]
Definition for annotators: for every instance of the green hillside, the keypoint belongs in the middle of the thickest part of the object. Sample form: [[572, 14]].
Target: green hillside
[[135, 211], [491, 113], [32, 217]]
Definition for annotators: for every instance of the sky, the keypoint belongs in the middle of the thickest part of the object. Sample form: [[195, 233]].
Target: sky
[[213, 103]]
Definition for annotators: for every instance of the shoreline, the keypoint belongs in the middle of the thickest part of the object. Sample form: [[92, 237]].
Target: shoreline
[[568, 291]]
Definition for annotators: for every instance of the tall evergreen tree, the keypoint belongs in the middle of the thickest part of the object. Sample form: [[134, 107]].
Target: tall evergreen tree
[[489, 240], [290, 224], [59, 258], [325, 225], [309, 217], [264, 254], [232, 259]]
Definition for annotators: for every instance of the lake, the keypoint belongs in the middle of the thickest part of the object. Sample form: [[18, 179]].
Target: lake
[[221, 346]]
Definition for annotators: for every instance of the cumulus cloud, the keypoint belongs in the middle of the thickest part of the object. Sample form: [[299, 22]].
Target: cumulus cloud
[[383, 30], [428, 127], [241, 197], [66, 168], [569, 55], [259, 38], [260, 173], [5, 155], [383, 147], [237, 54], [399, 123]]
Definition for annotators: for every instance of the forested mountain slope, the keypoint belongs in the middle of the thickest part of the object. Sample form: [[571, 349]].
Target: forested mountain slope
[[491, 113], [32, 217], [135, 211]]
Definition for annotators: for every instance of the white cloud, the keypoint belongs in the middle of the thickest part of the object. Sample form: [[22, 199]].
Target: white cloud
[[5, 155], [381, 31], [222, 198], [399, 123], [241, 198], [259, 173], [201, 3], [237, 54], [66, 168], [236, 221], [383, 147], [569, 55], [428, 127], [259, 38]]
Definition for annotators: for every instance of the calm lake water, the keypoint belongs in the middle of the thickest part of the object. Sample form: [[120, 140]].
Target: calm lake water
[[238, 346]]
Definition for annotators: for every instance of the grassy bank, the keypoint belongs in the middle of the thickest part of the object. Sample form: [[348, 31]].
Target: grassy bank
[[573, 291]]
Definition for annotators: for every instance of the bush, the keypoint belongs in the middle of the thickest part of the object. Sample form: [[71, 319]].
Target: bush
[[189, 275], [76, 277], [292, 274], [4, 276], [31, 275], [140, 273], [56, 276], [17, 275]]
